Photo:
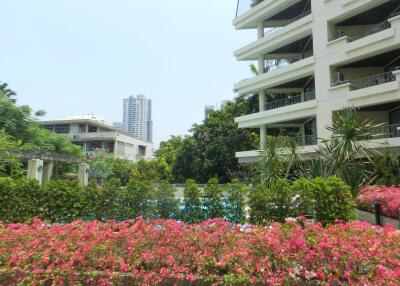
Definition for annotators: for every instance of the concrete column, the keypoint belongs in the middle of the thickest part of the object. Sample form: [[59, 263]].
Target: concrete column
[[83, 174], [47, 172], [263, 137], [260, 30], [35, 170]]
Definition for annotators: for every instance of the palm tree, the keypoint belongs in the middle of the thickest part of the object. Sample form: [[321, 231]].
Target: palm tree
[[9, 93], [346, 154]]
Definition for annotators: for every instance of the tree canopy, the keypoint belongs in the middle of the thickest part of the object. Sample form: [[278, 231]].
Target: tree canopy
[[210, 149]]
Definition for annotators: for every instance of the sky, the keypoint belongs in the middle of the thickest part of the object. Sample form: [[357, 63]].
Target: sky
[[78, 57]]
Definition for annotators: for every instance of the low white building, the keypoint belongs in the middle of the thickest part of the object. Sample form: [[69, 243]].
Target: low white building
[[93, 134]]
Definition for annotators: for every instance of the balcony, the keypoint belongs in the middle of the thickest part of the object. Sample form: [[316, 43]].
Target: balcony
[[279, 75], [93, 136], [250, 13], [291, 100], [372, 80], [367, 19], [384, 132]]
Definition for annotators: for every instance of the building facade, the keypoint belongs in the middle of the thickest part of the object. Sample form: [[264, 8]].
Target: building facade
[[137, 117], [316, 57], [94, 135]]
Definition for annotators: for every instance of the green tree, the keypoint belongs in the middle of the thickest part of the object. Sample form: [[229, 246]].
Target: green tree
[[192, 212], [18, 122], [213, 200], [10, 164], [5, 90]]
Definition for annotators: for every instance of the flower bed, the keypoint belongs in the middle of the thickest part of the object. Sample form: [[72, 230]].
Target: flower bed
[[215, 252], [389, 198]]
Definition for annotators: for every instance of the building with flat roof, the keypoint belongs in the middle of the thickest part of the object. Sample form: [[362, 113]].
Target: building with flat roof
[[92, 135], [316, 57]]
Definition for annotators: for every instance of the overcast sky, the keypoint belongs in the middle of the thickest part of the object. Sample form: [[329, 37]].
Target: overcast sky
[[83, 56]]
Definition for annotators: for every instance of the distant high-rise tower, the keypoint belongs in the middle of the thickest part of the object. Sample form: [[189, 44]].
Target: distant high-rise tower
[[137, 117], [207, 110]]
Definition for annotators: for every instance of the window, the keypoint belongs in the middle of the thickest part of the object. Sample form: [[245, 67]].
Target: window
[[61, 128], [92, 128]]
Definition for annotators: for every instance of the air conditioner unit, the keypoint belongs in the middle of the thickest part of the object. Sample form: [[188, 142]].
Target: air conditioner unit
[[338, 78]]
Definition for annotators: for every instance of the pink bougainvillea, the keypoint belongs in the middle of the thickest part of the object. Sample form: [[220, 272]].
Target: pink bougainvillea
[[389, 198], [214, 252]]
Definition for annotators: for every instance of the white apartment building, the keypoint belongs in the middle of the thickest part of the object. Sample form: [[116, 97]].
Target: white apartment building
[[137, 117], [316, 57], [93, 135]]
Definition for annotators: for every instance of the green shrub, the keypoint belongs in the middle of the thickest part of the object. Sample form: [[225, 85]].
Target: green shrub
[[213, 204], [166, 204], [19, 199], [63, 201], [137, 199], [192, 212], [257, 203], [236, 201], [303, 198], [333, 200]]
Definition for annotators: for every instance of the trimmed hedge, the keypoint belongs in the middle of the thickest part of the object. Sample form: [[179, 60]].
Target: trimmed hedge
[[65, 201]]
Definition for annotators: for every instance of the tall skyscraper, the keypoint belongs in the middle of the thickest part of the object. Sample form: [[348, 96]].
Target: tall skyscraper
[[137, 118], [207, 110]]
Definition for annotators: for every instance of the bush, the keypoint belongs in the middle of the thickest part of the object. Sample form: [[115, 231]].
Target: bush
[[19, 199], [192, 212], [333, 200], [213, 203], [166, 204], [166, 252], [329, 199], [63, 201], [236, 201], [388, 197]]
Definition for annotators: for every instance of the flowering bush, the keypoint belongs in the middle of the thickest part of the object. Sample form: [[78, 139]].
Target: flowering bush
[[149, 252], [389, 198]]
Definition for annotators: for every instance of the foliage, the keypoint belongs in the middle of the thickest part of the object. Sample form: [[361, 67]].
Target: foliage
[[387, 169], [345, 154], [333, 200], [236, 201], [155, 170], [192, 212], [158, 252], [18, 122], [166, 204], [18, 199], [277, 159], [210, 151], [9, 160], [388, 197], [62, 201], [328, 198], [101, 166], [7, 92], [137, 199], [213, 202]]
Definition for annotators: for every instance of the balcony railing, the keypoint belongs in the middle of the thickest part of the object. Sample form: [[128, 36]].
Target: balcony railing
[[245, 5], [290, 101], [372, 80], [383, 132], [305, 140], [367, 31], [294, 19], [271, 65]]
